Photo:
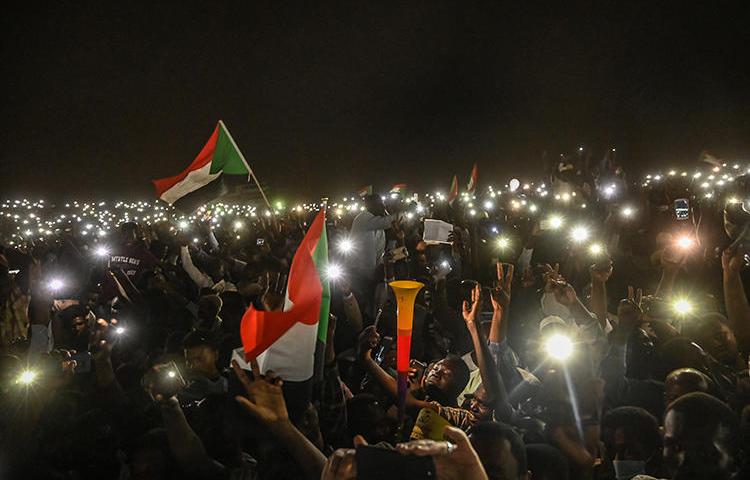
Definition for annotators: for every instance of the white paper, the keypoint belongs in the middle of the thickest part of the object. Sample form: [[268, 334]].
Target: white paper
[[436, 231]]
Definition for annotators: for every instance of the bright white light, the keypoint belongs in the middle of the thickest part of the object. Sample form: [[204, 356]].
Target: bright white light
[[346, 245], [514, 184], [555, 222], [238, 225], [488, 205], [445, 264], [120, 330], [472, 212], [684, 242], [609, 190], [503, 242], [596, 249], [171, 374], [101, 251], [627, 212], [682, 306], [334, 272], [533, 208], [183, 225], [559, 347], [579, 233], [27, 377], [733, 200], [56, 284]]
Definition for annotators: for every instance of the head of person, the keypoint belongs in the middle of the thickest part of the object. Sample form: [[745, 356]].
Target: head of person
[[683, 381], [631, 438], [679, 352], [481, 404], [209, 307], [375, 205], [501, 451], [713, 334], [545, 462], [701, 437], [130, 232], [201, 353], [446, 379], [75, 317]]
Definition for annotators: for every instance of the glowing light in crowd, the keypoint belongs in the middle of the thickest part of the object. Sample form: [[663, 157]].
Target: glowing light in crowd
[[628, 212], [682, 306], [685, 242], [345, 246], [27, 377], [533, 208], [733, 200], [334, 272], [488, 205], [171, 374], [183, 225], [503, 242], [609, 190], [56, 284], [596, 249], [101, 251], [514, 184], [445, 264], [579, 234], [120, 330], [555, 222], [559, 347], [238, 225]]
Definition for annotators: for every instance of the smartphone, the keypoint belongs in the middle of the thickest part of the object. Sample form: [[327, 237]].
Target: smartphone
[[260, 241], [385, 346], [376, 463], [682, 208], [166, 381]]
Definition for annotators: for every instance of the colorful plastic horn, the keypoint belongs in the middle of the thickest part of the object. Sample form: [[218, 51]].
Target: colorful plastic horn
[[406, 293]]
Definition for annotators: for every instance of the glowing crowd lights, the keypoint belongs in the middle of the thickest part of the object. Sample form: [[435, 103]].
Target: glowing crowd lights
[[596, 249], [579, 233], [684, 242], [345, 246], [503, 242], [27, 377], [559, 347], [101, 251], [55, 284], [682, 306], [334, 272]]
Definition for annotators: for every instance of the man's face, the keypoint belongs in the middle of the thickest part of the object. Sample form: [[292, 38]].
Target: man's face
[[497, 459], [201, 360], [440, 376], [720, 342], [480, 404], [78, 325]]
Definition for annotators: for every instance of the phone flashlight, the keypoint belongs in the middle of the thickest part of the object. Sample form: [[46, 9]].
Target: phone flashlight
[[559, 347]]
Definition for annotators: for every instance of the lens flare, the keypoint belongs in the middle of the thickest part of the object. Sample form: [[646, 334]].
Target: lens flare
[[682, 306], [27, 377], [559, 347], [579, 234]]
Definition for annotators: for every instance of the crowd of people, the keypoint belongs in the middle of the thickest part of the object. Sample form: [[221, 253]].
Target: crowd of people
[[587, 325]]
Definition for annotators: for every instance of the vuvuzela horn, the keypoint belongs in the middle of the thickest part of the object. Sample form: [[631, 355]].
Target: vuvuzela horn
[[406, 293]]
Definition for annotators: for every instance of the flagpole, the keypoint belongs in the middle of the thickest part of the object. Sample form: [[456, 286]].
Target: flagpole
[[247, 165]]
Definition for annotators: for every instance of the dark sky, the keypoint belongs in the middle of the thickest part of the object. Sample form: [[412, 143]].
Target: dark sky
[[100, 97]]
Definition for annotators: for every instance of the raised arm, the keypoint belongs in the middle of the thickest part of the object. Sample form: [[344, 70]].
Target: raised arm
[[197, 276], [599, 277], [491, 380], [264, 401]]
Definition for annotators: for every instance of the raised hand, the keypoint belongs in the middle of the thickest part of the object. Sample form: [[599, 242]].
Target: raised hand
[[470, 311], [368, 340], [455, 459], [263, 397], [501, 293], [601, 273], [732, 260]]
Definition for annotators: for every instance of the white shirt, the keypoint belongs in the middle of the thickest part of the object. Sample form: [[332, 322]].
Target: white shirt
[[368, 235]]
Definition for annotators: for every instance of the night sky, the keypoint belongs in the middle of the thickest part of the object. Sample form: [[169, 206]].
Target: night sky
[[101, 97]]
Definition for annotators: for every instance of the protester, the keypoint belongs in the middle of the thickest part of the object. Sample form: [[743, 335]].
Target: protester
[[578, 326]]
